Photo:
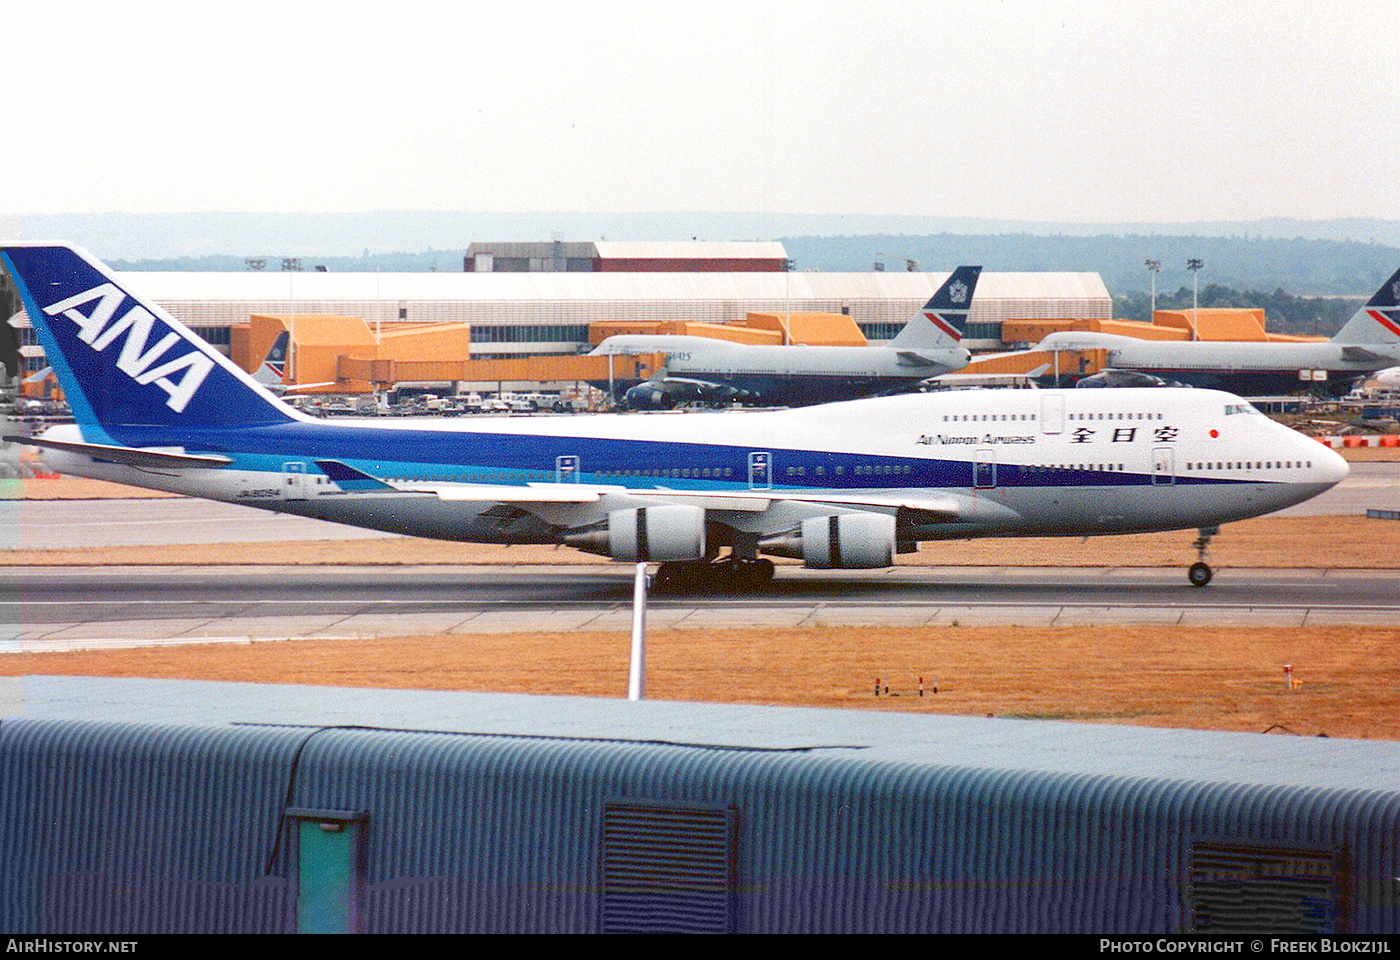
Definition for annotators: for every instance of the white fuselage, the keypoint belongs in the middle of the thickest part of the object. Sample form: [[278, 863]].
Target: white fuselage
[[791, 374], [992, 462], [1241, 367]]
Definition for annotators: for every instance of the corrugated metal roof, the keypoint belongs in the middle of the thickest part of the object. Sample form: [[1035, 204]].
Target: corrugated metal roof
[[932, 741], [844, 820]]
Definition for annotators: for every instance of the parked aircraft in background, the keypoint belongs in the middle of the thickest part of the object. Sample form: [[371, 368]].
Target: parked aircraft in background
[[1370, 341], [1122, 378], [846, 485], [720, 371], [1388, 378], [272, 372]]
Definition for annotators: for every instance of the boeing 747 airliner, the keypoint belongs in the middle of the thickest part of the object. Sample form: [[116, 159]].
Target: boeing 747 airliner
[[843, 485], [709, 369]]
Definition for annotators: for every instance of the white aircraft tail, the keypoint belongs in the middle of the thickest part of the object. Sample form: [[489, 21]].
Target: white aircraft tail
[[1378, 321], [944, 318]]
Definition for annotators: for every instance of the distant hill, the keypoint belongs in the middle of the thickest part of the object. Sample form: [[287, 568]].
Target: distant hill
[[1329, 257], [1299, 266]]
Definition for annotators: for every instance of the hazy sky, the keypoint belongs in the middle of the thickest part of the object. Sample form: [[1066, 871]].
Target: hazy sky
[[1075, 111]]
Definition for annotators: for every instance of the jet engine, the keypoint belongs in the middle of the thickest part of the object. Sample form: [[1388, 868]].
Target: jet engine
[[647, 396], [851, 541], [672, 532]]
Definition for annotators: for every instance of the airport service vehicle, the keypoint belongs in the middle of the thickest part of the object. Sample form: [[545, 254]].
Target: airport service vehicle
[[845, 485], [709, 370], [1367, 343]]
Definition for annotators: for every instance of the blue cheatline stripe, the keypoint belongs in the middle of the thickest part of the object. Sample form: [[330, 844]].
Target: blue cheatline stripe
[[513, 459]]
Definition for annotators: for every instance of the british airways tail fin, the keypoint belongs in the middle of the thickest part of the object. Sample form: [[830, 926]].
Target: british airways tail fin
[[944, 318], [1379, 320], [123, 361]]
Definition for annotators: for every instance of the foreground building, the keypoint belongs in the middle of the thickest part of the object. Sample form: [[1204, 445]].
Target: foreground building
[[130, 806]]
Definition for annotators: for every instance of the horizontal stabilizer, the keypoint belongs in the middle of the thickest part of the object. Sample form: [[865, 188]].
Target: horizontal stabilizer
[[130, 456], [911, 358], [1361, 354]]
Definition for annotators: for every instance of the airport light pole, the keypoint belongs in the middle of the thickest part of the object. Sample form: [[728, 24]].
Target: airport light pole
[[291, 265], [1154, 267], [787, 302], [1194, 265], [637, 664]]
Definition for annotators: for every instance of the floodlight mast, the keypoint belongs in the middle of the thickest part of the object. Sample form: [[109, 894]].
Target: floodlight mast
[[1154, 267], [1194, 265]]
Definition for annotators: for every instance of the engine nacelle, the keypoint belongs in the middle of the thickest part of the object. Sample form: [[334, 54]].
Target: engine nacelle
[[644, 396], [674, 532], [849, 541]]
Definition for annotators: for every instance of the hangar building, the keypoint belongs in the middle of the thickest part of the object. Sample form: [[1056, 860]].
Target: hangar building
[[524, 314]]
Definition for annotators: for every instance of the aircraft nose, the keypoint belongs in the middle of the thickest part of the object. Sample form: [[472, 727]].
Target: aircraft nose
[[1331, 467]]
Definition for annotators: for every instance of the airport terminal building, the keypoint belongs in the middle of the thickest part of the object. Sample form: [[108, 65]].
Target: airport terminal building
[[520, 314]]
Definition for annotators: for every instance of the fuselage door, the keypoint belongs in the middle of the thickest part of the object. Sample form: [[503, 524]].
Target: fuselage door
[[984, 469], [760, 470], [1163, 466], [294, 480], [566, 469], [1052, 413]]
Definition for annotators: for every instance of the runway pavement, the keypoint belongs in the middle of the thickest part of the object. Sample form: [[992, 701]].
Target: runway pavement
[[64, 608], [76, 608]]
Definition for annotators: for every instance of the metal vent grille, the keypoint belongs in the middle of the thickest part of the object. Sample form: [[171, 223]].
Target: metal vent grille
[[1238, 889], [668, 869]]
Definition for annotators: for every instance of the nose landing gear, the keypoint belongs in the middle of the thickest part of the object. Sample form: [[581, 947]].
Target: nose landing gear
[[1199, 573]]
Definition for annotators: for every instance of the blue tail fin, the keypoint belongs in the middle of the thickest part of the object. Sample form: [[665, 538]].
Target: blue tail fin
[[944, 318], [123, 361]]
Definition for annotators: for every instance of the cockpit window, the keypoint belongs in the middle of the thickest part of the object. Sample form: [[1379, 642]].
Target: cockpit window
[[1233, 408]]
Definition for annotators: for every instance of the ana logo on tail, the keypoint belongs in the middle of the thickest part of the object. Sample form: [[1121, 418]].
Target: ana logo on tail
[[99, 331]]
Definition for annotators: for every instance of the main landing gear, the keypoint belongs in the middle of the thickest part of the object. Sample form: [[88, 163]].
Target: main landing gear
[[728, 573], [1199, 573]]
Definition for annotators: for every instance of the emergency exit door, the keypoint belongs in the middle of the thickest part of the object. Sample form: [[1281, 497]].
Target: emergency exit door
[[1163, 467], [760, 470]]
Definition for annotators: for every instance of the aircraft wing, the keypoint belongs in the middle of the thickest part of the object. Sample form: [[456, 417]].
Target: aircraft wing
[[161, 458], [912, 358], [298, 387], [563, 494], [575, 504]]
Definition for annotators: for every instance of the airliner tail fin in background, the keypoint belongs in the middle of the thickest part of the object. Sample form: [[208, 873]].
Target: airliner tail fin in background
[[944, 318], [1379, 320], [123, 361]]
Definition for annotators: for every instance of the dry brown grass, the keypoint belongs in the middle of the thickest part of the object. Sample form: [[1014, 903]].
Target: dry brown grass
[[1153, 676]]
